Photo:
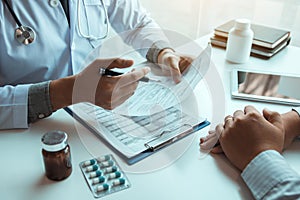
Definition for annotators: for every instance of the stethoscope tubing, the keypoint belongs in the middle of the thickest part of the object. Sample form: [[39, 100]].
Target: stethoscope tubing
[[12, 12], [92, 37], [26, 34]]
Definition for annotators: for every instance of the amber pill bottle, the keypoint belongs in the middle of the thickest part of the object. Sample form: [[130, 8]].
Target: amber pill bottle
[[56, 155]]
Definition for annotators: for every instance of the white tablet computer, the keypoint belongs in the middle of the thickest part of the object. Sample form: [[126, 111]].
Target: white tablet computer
[[266, 86]]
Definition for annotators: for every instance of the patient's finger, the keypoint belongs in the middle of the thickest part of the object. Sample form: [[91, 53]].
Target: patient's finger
[[217, 149], [208, 142]]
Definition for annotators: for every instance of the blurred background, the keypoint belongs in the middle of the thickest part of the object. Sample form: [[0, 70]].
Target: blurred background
[[195, 18]]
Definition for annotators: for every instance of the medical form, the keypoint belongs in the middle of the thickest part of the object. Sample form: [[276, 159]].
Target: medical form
[[165, 94], [152, 118]]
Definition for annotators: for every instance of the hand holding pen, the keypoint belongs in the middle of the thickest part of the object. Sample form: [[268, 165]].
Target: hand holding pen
[[107, 90]]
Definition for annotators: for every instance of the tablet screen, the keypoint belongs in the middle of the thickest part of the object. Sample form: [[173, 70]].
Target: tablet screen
[[264, 86]]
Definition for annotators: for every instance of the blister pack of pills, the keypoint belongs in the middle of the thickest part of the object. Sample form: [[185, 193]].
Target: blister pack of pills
[[104, 176]]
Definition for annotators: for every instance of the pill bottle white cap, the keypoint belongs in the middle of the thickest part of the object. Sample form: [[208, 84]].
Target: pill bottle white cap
[[54, 141], [242, 24]]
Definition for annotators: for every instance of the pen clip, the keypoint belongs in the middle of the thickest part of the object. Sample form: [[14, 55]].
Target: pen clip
[[101, 71]]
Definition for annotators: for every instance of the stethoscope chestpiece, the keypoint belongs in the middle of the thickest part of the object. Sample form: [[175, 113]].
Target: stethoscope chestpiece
[[25, 35]]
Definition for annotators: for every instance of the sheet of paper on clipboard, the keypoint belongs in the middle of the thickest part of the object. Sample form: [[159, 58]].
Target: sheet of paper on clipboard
[[166, 93], [139, 133]]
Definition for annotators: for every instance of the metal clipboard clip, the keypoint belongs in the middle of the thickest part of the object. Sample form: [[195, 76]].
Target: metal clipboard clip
[[165, 138]]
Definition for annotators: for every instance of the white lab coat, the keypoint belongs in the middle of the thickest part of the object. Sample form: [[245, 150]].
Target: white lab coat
[[58, 50]]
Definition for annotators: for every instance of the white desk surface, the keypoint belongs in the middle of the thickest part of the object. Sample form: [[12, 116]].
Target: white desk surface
[[180, 171]]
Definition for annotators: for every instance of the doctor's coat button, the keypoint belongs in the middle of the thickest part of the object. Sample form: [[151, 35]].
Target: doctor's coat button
[[53, 3], [41, 116]]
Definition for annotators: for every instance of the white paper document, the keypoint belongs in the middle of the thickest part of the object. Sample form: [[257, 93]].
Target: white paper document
[[153, 97], [152, 118]]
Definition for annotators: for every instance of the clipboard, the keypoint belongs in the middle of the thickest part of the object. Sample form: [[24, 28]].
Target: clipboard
[[132, 136], [83, 113], [159, 147]]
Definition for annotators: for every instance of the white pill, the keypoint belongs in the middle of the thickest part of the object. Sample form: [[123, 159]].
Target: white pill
[[91, 168], [89, 162], [120, 181], [110, 169], [97, 180], [101, 188], [103, 158], [114, 175], [107, 163], [95, 174]]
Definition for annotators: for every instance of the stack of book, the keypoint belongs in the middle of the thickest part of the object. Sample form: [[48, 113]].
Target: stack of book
[[267, 41]]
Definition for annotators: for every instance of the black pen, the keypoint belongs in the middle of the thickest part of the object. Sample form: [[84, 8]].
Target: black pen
[[108, 72]]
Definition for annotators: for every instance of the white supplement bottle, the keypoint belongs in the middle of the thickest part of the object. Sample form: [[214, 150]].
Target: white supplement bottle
[[239, 42]]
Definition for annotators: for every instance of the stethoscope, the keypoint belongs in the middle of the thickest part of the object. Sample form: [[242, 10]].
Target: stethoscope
[[26, 35], [92, 37], [23, 34]]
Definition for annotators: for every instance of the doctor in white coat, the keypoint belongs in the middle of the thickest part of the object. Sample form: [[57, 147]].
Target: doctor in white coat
[[44, 43]]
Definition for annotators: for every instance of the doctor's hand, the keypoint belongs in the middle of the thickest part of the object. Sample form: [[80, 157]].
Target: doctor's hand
[[173, 64], [248, 133], [89, 86]]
